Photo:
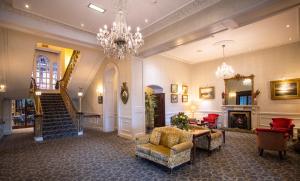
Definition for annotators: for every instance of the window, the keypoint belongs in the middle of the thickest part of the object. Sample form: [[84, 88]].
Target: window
[[54, 75], [42, 72]]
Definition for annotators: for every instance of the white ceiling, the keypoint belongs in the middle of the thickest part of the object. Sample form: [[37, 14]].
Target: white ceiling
[[76, 12], [263, 34]]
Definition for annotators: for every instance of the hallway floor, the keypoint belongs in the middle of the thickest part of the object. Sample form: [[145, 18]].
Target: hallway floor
[[105, 156]]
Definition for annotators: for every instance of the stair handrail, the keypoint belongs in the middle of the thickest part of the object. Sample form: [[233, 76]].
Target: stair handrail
[[38, 116], [63, 83]]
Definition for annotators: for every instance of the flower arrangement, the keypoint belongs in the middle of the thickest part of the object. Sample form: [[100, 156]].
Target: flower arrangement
[[180, 120], [256, 93]]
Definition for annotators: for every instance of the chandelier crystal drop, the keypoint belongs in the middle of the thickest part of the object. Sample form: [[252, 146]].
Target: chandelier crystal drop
[[224, 71], [119, 41]]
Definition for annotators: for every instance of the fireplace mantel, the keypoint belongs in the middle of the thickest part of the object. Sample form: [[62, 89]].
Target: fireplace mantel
[[240, 106], [254, 109]]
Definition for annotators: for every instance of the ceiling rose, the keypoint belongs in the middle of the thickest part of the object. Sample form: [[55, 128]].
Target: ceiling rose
[[119, 41]]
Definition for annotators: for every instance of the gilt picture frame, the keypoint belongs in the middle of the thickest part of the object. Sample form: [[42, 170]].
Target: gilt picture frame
[[185, 89], [174, 88], [207, 92], [285, 89], [174, 98], [185, 98]]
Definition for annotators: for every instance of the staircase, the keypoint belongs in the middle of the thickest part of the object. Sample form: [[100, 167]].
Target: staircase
[[57, 122]]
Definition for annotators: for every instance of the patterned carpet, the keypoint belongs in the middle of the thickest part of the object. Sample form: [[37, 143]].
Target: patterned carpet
[[105, 156]]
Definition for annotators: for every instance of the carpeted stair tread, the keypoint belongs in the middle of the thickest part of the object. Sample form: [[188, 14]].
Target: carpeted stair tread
[[57, 122]]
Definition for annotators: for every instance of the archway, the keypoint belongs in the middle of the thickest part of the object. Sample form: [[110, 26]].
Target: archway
[[155, 107], [110, 98]]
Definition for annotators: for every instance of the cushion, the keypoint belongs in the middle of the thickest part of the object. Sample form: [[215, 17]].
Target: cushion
[[155, 137], [172, 140], [144, 148], [160, 152]]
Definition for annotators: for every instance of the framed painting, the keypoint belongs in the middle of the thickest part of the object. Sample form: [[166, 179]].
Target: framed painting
[[185, 89], [207, 92], [285, 89], [174, 88], [174, 98], [185, 98]]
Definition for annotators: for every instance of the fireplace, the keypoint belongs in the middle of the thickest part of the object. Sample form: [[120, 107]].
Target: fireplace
[[239, 119]]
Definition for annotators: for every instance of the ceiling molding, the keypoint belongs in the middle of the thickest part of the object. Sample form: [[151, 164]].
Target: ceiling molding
[[210, 21], [30, 23], [177, 15]]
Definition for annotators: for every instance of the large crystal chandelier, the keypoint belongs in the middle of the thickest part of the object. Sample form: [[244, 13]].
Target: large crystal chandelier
[[119, 41], [224, 71]]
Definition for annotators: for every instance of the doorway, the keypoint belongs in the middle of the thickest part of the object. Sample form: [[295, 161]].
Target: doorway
[[22, 111], [159, 110], [155, 107], [110, 98]]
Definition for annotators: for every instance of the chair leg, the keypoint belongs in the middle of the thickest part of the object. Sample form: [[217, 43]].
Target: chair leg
[[171, 171], [261, 152], [280, 155]]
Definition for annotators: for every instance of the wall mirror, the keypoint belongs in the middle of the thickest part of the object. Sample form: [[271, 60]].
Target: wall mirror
[[238, 90]]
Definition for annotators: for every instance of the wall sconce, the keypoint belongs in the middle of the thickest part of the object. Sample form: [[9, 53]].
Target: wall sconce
[[2, 88]]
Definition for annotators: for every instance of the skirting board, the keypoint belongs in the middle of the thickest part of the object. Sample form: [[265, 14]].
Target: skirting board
[[126, 136]]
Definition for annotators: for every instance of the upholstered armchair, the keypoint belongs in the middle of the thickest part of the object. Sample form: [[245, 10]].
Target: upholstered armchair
[[271, 139], [211, 120], [168, 146], [283, 124]]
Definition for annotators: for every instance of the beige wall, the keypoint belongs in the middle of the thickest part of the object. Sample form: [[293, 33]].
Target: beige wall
[[162, 71], [266, 65], [17, 51]]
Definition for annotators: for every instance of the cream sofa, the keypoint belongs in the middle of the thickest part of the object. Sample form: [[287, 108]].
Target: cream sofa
[[173, 147]]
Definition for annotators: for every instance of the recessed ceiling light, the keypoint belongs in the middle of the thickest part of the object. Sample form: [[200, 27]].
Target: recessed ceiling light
[[287, 26], [290, 38], [146, 20], [26, 6], [97, 8], [82, 25]]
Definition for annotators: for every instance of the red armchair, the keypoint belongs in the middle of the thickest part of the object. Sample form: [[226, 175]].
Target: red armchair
[[283, 124], [271, 139], [211, 120]]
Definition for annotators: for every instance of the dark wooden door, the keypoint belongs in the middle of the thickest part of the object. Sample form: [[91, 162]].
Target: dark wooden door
[[159, 111]]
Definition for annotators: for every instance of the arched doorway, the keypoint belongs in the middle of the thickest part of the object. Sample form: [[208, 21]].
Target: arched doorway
[[110, 98], [155, 107]]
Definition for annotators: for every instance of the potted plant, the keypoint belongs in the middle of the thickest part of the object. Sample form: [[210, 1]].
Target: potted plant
[[180, 121], [150, 105]]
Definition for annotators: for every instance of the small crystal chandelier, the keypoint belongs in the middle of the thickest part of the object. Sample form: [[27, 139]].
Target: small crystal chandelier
[[119, 41], [224, 71]]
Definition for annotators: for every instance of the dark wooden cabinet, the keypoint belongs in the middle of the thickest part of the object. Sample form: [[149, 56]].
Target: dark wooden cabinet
[[159, 111]]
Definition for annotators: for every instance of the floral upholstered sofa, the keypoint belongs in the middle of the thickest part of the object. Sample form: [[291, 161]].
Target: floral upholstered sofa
[[168, 146]]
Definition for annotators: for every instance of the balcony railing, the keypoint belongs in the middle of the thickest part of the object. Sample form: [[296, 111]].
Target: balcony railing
[[38, 116], [63, 83]]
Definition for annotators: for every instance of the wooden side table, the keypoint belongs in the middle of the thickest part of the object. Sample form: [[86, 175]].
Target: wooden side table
[[196, 134]]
